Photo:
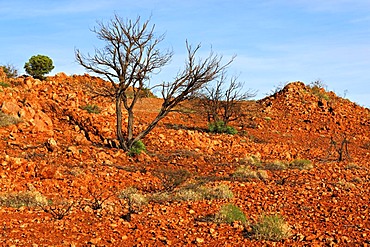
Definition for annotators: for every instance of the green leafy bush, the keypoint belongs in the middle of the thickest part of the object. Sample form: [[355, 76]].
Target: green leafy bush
[[221, 127], [272, 227], [230, 213], [38, 66], [137, 148]]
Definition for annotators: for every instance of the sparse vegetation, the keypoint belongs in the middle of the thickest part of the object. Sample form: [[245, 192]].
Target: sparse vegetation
[[220, 127], [245, 172], [222, 105], [19, 199], [10, 70], [318, 89], [6, 120], [254, 160], [275, 165], [137, 148], [4, 84], [134, 200], [352, 166], [91, 109], [172, 179], [230, 213], [271, 227], [301, 164], [58, 210], [194, 193], [340, 147]]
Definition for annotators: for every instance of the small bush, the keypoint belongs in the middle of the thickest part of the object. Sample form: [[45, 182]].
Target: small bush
[[272, 227], [318, 89], [137, 148], [58, 209], [301, 164], [221, 191], [19, 199], [230, 213], [203, 193], [254, 160], [220, 127], [187, 195], [91, 109], [276, 165], [6, 120], [352, 166], [134, 199], [195, 193], [248, 173], [4, 84], [38, 66], [10, 70], [172, 178]]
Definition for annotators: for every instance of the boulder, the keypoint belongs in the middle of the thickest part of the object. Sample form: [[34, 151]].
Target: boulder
[[11, 108], [42, 123]]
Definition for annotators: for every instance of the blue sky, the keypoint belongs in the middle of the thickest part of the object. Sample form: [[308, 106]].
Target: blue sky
[[276, 41]]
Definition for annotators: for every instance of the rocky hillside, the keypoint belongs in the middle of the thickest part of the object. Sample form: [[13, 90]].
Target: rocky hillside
[[301, 154]]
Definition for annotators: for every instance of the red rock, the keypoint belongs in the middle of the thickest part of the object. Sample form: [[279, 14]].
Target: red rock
[[42, 123], [10, 108]]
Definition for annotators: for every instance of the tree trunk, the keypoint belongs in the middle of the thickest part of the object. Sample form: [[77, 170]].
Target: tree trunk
[[120, 137], [130, 128]]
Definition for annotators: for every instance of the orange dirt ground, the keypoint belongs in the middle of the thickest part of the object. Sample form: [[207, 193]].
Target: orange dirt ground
[[61, 152]]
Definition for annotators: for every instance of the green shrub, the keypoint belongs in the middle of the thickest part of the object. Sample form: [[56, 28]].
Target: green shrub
[[272, 227], [91, 109], [220, 127], [230, 213], [137, 148], [38, 66], [301, 164]]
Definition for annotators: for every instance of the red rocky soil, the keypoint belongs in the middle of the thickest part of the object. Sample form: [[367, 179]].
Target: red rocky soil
[[62, 152]]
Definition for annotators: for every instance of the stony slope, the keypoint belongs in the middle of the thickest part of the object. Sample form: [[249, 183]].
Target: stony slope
[[60, 152]]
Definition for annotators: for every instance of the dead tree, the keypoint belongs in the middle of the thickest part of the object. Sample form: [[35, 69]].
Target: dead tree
[[223, 104], [340, 147], [128, 60]]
